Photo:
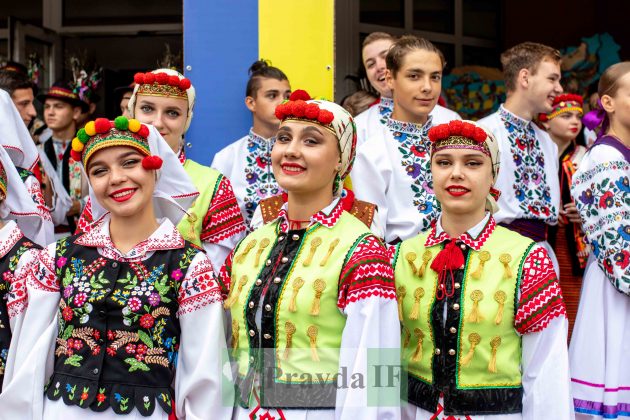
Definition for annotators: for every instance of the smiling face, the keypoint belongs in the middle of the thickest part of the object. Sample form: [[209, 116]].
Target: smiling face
[[305, 159], [120, 184], [542, 86], [461, 181], [374, 62], [564, 127], [167, 115], [416, 85]]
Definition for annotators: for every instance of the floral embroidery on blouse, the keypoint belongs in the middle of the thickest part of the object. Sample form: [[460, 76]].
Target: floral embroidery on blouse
[[34, 190], [261, 182], [385, 106], [530, 185], [415, 148]]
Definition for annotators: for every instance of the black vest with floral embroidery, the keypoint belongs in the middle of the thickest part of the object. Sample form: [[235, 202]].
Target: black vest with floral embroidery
[[118, 330], [8, 264]]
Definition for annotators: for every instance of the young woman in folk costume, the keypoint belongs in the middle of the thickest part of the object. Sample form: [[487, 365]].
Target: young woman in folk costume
[[247, 161], [312, 289], [563, 124], [601, 190], [19, 221], [484, 325], [126, 318], [165, 99]]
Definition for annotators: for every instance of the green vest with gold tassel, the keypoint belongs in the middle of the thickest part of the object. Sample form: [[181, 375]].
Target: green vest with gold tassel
[[295, 353], [471, 355], [206, 180]]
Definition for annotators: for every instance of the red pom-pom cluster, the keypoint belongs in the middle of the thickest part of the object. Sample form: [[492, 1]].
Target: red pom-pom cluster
[[457, 128], [299, 94], [152, 163], [568, 97], [76, 156], [161, 79], [300, 109]]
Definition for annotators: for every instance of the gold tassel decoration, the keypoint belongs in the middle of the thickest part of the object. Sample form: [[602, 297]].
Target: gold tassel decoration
[[312, 335], [500, 297], [484, 257], [407, 335], [411, 257], [331, 248], [192, 219], [506, 259], [426, 257], [289, 329], [261, 247], [475, 316], [233, 296], [234, 333], [417, 355], [473, 339], [298, 282], [317, 241], [402, 292], [494, 344], [319, 285], [418, 294], [241, 257]]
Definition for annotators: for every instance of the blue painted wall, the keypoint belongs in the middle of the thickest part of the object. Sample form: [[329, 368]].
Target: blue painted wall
[[220, 43]]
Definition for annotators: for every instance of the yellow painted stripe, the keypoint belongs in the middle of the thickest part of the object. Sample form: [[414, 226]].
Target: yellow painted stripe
[[297, 36]]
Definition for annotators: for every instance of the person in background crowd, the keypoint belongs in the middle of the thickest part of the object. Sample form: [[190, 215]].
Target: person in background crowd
[[247, 161], [15, 81], [563, 124], [528, 181], [484, 324], [124, 93], [358, 102], [601, 190]]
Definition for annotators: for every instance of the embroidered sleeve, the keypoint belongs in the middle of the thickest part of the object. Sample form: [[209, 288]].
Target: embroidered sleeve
[[85, 220], [199, 288], [602, 196], [223, 219], [34, 189], [225, 274], [366, 273], [540, 295], [43, 274], [16, 282]]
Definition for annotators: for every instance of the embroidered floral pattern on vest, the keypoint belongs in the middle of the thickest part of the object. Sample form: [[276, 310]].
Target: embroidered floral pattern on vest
[[530, 179], [415, 149], [260, 180]]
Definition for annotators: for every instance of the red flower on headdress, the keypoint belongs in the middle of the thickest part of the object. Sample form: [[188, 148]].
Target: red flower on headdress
[[325, 117], [184, 84], [298, 108], [152, 163], [173, 81], [568, 97], [312, 111], [299, 94], [102, 125], [149, 78], [161, 78], [457, 128], [143, 131], [138, 78]]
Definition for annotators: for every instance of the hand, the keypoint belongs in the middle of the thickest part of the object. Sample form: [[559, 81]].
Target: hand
[[571, 213], [75, 209]]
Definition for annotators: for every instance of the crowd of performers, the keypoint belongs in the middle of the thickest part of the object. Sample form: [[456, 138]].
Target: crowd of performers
[[318, 249]]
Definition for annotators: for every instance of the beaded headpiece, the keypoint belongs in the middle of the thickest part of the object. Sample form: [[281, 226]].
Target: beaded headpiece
[[102, 133], [564, 103]]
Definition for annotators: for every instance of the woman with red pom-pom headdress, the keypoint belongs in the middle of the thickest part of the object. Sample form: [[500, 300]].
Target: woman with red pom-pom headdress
[[310, 293], [165, 99], [483, 321], [121, 318]]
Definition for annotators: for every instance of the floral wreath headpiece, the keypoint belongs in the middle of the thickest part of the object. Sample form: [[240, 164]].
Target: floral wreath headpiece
[[564, 103], [161, 84], [102, 133], [296, 108], [3, 182], [458, 135]]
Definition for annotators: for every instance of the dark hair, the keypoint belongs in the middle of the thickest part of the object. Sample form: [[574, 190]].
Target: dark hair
[[262, 70], [10, 81], [526, 55], [406, 44]]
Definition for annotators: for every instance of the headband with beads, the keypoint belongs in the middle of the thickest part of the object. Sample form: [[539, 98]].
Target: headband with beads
[[458, 135], [161, 84], [563, 103], [102, 133]]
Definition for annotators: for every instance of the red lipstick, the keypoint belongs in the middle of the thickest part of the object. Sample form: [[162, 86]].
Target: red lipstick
[[123, 194], [457, 190]]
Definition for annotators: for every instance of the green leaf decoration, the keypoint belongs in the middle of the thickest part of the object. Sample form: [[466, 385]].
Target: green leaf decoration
[[145, 338], [75, 360], [67, 333], [136, 365]]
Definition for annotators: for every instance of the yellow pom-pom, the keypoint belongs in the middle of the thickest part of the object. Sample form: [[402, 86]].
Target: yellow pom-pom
[[77, 146], [134, 125], [90, 128]]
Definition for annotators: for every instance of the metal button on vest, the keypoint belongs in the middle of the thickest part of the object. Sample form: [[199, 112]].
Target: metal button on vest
[[451, 352], [295, 237], [456, 306], [457, 285], [267, 336], [102, 314], [280, 238], [284, 259], [453, 330], [258, 282], [268, 308], [437, 352], [463, 247], [114, 264], [251, 305], [268, 263], [252, 333], [95, 371], [277, 280]]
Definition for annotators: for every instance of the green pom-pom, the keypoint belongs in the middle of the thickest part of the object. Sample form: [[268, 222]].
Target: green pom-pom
[[121, 123], [83, 136]]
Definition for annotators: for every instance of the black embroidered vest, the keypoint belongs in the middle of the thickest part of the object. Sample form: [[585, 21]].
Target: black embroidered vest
[[8, 264], [118, 334]]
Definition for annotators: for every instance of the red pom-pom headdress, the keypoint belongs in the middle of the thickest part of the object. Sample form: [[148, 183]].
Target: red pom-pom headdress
[[564, 103], [162, 84], [458, 134], [297, 108]]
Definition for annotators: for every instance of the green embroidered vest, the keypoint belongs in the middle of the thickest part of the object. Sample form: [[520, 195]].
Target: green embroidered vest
[[296, 350], [206, 180]]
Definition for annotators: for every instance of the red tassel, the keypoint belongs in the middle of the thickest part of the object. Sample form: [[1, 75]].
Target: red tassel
[[448, 259], [152, 162]]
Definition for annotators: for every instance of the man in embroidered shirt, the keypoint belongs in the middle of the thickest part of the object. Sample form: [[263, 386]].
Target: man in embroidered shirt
[[530, 192]]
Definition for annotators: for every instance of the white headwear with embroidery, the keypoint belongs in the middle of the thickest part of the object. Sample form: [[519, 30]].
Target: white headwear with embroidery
[[14, 136]]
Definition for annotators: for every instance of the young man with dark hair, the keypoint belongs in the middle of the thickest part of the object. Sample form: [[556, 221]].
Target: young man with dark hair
[[22, 90], [528, 181]]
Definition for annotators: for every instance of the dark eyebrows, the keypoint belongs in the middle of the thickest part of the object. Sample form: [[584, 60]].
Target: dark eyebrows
[[122, 156], [311, 128], [276, 91]]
